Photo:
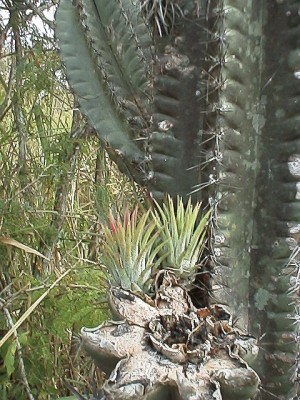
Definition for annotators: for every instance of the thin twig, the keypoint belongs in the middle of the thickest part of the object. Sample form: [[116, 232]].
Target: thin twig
[[5, 106], [10, 324], [39, 11]]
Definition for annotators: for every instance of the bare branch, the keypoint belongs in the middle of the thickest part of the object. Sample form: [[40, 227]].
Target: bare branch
[[39, 12]]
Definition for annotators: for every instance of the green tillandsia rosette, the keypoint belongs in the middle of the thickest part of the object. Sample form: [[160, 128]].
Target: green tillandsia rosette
[[183, 232], [131, 253]]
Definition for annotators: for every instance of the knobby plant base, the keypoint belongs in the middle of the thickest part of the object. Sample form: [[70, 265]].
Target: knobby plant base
[[167, 349]]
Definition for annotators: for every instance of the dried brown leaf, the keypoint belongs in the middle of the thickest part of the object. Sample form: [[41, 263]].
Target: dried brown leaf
[[12, 242]]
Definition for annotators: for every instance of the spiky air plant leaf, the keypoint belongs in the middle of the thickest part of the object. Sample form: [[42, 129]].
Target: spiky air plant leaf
[[184, 233], [162, 14], [129, 251]]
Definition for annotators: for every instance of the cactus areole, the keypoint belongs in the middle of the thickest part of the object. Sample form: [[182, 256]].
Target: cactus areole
[[201, 98]]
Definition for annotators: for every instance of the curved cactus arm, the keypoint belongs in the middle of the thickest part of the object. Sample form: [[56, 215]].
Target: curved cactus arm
[[92, 96], [119, 43], [156, 142], [130, 42]]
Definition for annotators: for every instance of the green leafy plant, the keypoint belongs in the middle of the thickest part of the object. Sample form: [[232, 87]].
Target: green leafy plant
[[184, 234], [168, 237], [52, 172], [129, 251]]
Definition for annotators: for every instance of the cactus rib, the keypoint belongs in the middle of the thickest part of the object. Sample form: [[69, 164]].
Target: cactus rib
[[92, 97], [274, 271]]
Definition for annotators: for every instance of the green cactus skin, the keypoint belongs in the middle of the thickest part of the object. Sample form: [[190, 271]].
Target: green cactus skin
[[255, 197], [137, 98], [211, 108], [119, 51], [236, 117], [178, 96], [175, 127], [81, 49], [277, 214]]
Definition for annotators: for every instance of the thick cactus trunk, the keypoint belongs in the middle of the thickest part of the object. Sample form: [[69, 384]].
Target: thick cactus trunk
[[236, 122], [274, 301], [256, 199], [210, 109]]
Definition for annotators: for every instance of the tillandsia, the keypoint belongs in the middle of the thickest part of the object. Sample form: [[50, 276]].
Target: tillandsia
[[129, 251], [163, 13], [201, 97], [138, 245], [184, 233], [161, 249]]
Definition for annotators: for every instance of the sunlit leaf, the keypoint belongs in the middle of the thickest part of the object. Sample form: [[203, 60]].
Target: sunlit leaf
[[12, 242], [9, 359]]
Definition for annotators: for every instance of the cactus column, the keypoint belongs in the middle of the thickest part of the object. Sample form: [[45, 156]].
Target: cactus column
[[256, 197], [236, 119], [273, 302]]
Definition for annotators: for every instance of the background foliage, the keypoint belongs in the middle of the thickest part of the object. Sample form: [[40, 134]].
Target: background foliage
[[56, 186]]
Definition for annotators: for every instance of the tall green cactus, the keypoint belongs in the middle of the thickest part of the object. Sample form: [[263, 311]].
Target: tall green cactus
[[256, 194], [202, 97]]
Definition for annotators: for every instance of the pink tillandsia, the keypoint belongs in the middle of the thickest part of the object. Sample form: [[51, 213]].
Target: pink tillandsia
[[130, 251]]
